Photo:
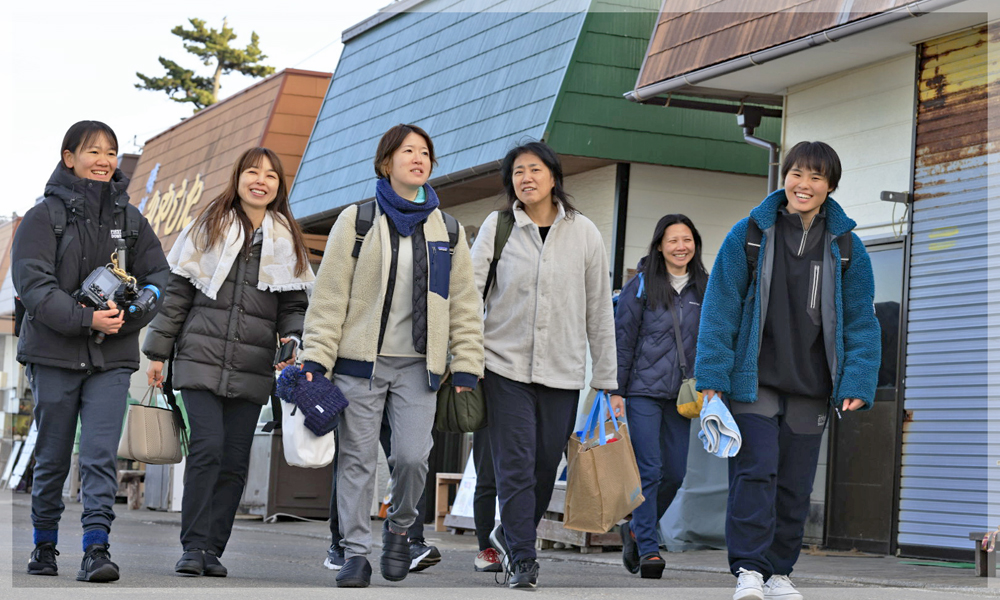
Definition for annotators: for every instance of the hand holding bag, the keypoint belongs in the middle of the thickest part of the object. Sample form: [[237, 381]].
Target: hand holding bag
[[151, 434], [459, 412], [689, 399], [603, 484], [465, 412], [310, 411]]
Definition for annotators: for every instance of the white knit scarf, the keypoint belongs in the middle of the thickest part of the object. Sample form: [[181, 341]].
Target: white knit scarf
[[207, 271]]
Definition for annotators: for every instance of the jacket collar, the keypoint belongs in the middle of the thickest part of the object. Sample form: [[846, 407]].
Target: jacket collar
[[766, 213], [521, 218], [73, 191]]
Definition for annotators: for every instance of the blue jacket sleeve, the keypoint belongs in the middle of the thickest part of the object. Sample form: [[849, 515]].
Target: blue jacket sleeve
[[628, 319], [862, 334], [721, 313]]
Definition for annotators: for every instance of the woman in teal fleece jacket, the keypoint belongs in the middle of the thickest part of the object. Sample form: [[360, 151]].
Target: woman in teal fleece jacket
[[730, 320], [782, 345]]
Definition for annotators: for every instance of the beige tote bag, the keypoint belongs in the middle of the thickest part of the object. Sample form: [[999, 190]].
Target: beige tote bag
[[151, 434]]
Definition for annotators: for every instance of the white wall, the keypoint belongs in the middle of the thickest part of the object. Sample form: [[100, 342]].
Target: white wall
[[866, 114], [713, 201]]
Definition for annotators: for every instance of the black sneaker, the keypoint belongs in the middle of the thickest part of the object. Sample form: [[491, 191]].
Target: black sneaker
[[630, 550], [192, 562], [97, 565], [422, 556], [43, 560], [214, 568], [524, 574], [651, 566], [499, 541], [395, 560], [334, 557], [357, 573]]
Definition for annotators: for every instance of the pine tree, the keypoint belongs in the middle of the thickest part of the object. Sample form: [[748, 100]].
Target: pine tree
[[209, 45]]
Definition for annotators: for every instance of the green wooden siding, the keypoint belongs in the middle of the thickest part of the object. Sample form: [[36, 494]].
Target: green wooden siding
[[591, 118]]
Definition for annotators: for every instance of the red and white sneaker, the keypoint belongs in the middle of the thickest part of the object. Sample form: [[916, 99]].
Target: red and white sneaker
[[488, 560]]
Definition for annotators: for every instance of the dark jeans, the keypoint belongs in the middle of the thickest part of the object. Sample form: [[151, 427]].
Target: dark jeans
[[216, 470], [660, 439], [416, 531], [98, 399], [484, 503], [770, 481], [529, 425]]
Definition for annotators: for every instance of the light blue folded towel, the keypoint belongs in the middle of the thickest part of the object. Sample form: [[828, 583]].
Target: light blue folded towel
[[719, 432]]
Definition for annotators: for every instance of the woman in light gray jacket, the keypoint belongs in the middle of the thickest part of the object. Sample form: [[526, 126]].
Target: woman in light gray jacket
[[550, 298]]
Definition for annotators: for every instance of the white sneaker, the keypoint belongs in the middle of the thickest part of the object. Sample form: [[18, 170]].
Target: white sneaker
[[749, 586], [779, 587]]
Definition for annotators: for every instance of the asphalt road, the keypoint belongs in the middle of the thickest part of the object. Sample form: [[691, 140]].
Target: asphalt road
[[268, 564]]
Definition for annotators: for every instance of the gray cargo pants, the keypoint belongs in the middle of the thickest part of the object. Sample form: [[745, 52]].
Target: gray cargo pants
[[399, 387]]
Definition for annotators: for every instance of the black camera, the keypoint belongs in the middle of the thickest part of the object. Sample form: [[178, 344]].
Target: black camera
[[111, 282]]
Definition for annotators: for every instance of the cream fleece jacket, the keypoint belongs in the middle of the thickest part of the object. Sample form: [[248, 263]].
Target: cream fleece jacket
[[549, 300], [345, 310]]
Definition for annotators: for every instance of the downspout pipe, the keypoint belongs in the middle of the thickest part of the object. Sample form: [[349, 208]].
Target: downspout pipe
[[749, 119], [694, 78], [772, 157]]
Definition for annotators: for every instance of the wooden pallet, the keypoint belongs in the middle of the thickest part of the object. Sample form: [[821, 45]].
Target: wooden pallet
[[551, 530]]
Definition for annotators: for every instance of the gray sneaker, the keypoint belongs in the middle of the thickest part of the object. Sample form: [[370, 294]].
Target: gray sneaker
[[334, 557], [499, 542]]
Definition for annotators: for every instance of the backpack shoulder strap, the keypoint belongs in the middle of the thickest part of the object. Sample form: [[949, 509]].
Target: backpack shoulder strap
[[57, 216], [846, 243], [752, 246], [130, 231], [362, 223], [452, 224], [505, 225]]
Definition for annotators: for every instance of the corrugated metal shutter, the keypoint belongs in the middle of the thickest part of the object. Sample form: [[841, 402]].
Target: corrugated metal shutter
[[945, 462]]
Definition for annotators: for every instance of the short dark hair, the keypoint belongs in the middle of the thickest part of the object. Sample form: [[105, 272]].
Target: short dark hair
[[818, 156], [84, 132], [392, 140], [550, 159]]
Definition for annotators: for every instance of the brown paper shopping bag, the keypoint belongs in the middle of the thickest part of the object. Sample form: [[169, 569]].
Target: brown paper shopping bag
[[602, 484]]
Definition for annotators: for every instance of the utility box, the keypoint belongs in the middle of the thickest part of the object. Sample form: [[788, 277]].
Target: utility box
[[276, 488]]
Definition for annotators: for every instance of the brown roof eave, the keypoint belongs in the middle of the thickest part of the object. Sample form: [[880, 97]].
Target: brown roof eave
[[688, 83]]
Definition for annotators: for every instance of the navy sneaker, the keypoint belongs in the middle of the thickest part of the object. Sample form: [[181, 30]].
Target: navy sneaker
[[524, 575], [334, 557], [422, 556]]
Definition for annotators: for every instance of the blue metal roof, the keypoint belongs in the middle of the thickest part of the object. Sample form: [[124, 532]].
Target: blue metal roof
[[477, 76]]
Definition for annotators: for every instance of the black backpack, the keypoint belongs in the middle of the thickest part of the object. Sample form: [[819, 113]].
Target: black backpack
[[57, 216], [754, 237], [366, 216]]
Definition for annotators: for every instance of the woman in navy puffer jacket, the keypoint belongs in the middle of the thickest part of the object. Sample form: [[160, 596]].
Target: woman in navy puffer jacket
[[671, 281]]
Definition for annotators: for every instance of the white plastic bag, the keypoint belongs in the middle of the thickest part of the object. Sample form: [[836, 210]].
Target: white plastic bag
[[302, 447]]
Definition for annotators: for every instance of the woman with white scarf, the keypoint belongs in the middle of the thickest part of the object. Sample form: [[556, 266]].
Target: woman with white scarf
[[238, 284]]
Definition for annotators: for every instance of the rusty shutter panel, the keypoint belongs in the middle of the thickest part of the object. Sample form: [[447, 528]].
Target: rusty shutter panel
[[945, 462]]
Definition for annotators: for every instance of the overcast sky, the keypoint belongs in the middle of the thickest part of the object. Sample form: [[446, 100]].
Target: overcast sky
[[69, 61]]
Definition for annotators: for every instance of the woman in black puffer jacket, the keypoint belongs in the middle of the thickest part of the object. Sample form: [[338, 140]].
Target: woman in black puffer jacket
[[671, 281], [238, 283]]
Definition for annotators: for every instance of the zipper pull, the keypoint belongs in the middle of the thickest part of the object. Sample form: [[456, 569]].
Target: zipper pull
[[837, 410]]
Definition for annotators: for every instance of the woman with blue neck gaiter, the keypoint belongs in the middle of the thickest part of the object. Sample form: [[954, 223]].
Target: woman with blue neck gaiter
[[383, 317]]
